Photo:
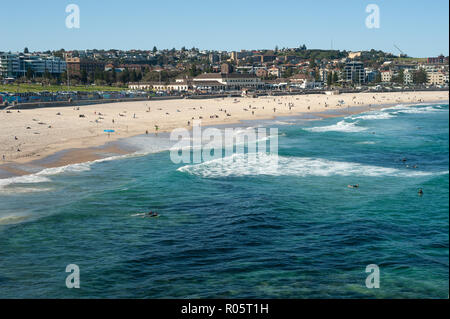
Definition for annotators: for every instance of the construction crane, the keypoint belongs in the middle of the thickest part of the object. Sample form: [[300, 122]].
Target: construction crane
[[402, 54]]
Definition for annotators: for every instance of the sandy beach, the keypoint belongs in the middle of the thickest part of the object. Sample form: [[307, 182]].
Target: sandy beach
[[30, 135]]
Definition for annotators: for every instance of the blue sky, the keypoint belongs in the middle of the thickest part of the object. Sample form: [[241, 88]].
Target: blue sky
[[418, 27]]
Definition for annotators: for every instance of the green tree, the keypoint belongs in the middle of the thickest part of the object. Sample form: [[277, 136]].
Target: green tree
[[399, 77], [133, 76], [316, 76], [113, 76], [420, 77], [47, 75], [194, 71], [329, 78], [335, 77], [378, 77], [30, 73], [84, 77]]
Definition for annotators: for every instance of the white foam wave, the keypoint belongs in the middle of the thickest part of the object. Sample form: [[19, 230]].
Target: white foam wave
[[265, 164], [26, 179], [72, 168], [414, 109], [283, 123], [42, 176], [342, 126], [374, 116]]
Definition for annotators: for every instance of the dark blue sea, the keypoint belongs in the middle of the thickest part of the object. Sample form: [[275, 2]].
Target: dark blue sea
[[289, 227]]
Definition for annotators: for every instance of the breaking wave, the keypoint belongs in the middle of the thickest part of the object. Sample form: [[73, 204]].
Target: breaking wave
[[274, 165], [350, 124], [43, 175], [342, 126], [374, 116]]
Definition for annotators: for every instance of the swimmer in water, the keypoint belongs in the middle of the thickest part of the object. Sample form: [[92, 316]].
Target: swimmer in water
[[353, 186], [420, 192], [152, 214]]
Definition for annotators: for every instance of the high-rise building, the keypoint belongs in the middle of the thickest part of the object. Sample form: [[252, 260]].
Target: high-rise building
[[354, 72]]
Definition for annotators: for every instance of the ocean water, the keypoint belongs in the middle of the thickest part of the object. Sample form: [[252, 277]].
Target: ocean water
[[288, 227]]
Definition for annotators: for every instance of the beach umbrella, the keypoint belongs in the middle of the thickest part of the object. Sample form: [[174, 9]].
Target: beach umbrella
[[109, 132]]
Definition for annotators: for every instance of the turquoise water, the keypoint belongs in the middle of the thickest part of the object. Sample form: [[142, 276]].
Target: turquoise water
[[232, 231]]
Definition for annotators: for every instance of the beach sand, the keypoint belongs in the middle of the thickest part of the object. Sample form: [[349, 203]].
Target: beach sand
[[34, 134]]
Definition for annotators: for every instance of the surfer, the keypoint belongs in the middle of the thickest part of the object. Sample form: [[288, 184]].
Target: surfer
[[353, 186], [420, 192], [152, 214]]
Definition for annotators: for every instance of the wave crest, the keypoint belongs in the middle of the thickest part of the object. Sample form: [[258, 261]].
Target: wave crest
[[274, 165]]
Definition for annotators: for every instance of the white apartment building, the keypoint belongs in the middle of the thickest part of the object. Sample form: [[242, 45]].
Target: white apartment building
[[386, 76], [408, 76], [436, 78]]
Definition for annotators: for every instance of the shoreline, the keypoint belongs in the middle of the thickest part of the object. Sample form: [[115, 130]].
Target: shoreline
[[81, 150]]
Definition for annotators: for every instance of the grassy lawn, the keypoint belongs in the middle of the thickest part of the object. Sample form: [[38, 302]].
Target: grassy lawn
[[22, 88], [411, 59]]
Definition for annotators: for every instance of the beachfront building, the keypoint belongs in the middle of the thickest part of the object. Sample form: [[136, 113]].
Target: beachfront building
[[76, 65], [436, 78], [9, 65], [323, 75], [300, 78], [354, 72], [232, 81], [14, 65], [386, 76], [141, 86], [179, 86], [277, 84], [371, 75], [408, 76], [209, 86]]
